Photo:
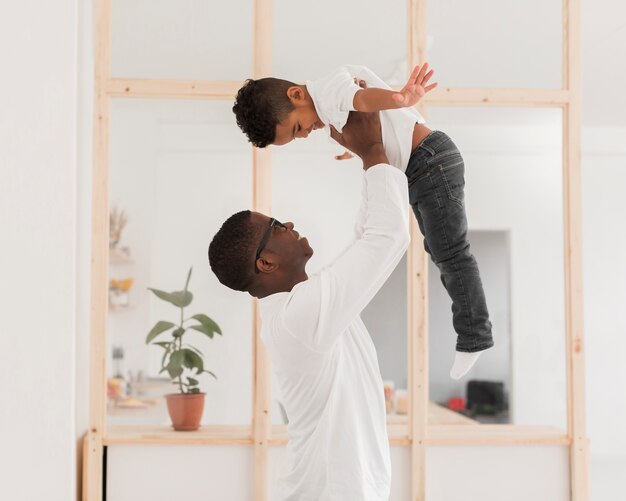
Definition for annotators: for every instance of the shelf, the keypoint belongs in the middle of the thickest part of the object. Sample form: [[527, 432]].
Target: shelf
[[114, 309], [165, 435], [495, 434]]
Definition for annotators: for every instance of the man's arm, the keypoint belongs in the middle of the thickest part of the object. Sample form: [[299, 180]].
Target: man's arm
[[374, 99], [321, 308]]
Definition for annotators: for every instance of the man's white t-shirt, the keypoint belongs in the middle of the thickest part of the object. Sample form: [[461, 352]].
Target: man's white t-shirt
[[325, 361], [333, 97]]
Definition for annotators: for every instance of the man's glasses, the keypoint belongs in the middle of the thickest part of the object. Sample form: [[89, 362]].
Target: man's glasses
[[266, 236]]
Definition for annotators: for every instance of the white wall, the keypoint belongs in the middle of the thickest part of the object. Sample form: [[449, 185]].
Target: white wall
[[38, 93], [604, 241]]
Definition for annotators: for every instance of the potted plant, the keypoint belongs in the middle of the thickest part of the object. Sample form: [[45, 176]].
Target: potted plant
[[182, 361]]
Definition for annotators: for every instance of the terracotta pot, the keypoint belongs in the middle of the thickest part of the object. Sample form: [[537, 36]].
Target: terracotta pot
[[185, 410]]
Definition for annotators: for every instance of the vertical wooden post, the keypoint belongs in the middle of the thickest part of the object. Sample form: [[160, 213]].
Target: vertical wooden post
[[92, 491], [573, 254], [417, 288], [262, 202]]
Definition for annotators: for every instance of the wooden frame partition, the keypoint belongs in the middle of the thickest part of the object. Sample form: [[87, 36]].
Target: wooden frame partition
[[420, 433]]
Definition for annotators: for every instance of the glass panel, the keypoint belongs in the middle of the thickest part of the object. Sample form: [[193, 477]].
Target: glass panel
[[178, 170], [514, 204], [333, 38], [191, 39], [321, 196], [491, 43]]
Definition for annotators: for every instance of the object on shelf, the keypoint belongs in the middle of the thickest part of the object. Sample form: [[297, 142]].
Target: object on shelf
[[456, 404], [486, 398], [389, 391], [120, 255], [118, 361], [117, 223], [402, 401], [132, 403], [116, 388], [183, 362], [119, 296]]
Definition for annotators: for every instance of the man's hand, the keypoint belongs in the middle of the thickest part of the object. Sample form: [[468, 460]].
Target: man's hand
[[416, 88], [346, 155], [362, 135]]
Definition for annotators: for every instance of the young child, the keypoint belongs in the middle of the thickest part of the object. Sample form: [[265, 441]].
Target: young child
[[274, 111]]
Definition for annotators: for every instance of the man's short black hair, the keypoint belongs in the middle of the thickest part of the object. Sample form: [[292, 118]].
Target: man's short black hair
[[231, 252], [259, 106]]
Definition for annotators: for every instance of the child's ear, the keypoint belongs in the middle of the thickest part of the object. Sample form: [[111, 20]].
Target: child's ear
[[296, 95]]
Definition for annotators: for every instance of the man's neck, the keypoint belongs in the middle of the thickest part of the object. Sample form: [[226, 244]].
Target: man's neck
[[263, 290]]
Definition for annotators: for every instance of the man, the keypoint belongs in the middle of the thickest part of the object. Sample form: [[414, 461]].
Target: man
[[321, 352]]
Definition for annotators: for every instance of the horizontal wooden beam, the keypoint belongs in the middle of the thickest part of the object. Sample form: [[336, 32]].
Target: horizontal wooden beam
[[165, 435], [398, 435], [449, 96], [486, 434], [227, 89], [172, 89]]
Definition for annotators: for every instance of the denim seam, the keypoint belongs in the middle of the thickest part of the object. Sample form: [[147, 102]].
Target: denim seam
[[436, 159], [454, 260], [466, 308], [448, 189]]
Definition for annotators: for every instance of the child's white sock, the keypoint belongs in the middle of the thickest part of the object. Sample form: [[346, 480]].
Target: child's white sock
[[463, 362]]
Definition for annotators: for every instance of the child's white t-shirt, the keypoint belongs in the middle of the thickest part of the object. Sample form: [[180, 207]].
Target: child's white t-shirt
[[333, 97]]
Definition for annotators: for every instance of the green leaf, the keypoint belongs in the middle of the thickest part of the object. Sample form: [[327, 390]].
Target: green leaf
[[159, 327], [194, 349], [203, 329], [209, 372], [208, 323], [165, 354], [188, 278], [192, 360], [194, 390], [174, 366], [177, 359], [174, 372], [192, 382], [163, 344], [177, 298]]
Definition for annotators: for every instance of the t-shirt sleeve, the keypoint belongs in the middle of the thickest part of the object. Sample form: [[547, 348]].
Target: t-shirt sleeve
[[333, 97], [321, 308]]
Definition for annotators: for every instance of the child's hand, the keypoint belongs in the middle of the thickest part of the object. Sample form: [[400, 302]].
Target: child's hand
[[415, 88], [344, 156]]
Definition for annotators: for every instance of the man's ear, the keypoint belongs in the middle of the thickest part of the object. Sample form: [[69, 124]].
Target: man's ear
[[296, 95], [266, 265]]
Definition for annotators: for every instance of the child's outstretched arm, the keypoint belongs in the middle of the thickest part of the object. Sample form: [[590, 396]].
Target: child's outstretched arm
[[373, 99]]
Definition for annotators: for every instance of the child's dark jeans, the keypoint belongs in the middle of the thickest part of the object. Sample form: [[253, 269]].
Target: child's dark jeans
[[436, 181]]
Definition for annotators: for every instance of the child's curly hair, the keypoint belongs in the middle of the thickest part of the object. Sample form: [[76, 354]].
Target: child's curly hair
[[259, 106]]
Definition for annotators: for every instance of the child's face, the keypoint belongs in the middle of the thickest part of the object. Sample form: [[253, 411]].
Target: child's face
[[301, 121]]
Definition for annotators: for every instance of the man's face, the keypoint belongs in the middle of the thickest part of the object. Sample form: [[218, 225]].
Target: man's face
[[284, 246], [298, 124]]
